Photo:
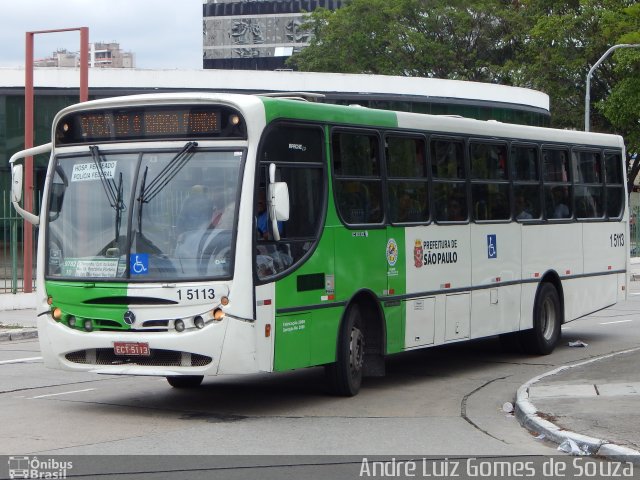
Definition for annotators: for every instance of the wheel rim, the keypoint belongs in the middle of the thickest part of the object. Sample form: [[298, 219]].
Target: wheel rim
[[548, 318], [356, 351]]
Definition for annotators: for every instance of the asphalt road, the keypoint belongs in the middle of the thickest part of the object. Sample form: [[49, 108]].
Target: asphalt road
[[443, 402]]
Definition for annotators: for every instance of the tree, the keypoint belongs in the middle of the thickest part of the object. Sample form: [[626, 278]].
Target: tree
[[427, 38], [622, 106], [563, 42]]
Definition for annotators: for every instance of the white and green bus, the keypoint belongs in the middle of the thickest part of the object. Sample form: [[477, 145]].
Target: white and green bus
[[189, 235]]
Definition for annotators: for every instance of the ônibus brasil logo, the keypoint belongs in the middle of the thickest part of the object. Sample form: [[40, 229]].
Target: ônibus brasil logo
[[28, 467]]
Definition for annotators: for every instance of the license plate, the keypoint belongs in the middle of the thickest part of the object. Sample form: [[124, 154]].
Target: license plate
[[140, 349]]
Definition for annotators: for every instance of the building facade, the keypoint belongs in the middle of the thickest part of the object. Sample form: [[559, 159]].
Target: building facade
[[255, 34], [101, 55]]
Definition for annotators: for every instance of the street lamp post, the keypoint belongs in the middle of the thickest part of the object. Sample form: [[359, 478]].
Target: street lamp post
[[587, 97]]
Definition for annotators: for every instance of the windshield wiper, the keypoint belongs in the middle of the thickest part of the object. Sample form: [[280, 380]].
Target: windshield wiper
[[113, 192], [166, 174]]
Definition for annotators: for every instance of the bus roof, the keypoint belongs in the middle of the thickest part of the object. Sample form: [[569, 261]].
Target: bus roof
[[282, 108]]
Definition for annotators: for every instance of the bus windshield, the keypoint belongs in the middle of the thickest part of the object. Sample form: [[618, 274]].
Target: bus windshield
[[153, 215]]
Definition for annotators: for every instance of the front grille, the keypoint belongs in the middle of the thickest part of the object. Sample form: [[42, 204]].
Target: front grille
[[158, 358]]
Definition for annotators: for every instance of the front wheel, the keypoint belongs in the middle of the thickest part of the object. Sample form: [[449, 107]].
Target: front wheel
[[185, 381], [345, 376], [547, 317]]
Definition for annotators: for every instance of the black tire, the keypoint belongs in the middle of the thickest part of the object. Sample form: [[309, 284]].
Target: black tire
[[547, 318], [185, 381], [345, 375]]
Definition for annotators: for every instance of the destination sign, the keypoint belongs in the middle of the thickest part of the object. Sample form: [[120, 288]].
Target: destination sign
[[149, 123]]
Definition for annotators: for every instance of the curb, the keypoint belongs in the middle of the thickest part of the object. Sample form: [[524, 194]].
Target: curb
[[18, 334], [527, 414]]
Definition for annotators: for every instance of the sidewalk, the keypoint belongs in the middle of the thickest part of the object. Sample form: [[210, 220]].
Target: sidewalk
[[599, 398], [18, 318]]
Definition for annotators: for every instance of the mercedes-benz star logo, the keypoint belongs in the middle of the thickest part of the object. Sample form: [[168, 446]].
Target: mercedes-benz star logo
[[129, 317]]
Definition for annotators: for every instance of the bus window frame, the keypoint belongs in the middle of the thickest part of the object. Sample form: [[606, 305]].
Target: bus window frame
[[538, 182], [322, 164], [372, 132], [488, 181], [440, 180], [563, 147], [575, 151], [607, 185], [418, 180]]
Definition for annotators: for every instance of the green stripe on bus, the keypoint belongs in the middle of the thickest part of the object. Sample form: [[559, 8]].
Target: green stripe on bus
[[89, 300], [337, 114]]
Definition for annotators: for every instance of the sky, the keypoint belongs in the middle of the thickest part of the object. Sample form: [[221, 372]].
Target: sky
[[163, 34]]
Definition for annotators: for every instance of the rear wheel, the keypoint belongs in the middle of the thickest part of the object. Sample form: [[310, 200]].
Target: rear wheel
[[185, 381], [345, 376], [547, 317]]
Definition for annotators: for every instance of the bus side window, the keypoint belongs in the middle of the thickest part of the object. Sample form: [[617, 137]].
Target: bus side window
[[358, 186], [615, 190]]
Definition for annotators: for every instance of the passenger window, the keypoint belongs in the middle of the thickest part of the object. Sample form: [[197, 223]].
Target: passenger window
[[555, 165], [589, 192], [490, 187], [407, 183], [488, 162], [558, 195], [588, 168], [524, 163], [526, 186], [447, 159], [357, 184], [615, 189], [449, 181]]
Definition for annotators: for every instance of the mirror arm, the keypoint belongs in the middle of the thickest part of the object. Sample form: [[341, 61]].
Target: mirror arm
[[28, 216]]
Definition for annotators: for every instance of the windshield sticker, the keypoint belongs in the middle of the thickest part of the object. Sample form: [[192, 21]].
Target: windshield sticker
[[139, 264], [104, 268], [83, 172]]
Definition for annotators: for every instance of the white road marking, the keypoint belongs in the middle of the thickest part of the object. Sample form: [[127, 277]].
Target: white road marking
[[62, 393], [617, 321], [20, 360]]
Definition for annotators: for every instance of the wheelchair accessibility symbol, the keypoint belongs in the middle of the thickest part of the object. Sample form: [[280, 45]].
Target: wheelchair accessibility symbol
[[492, 246], [139, 263]]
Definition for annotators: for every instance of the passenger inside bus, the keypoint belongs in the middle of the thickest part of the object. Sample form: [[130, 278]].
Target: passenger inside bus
[[560, 208], [522, 210], [263, 224], [455, 210]]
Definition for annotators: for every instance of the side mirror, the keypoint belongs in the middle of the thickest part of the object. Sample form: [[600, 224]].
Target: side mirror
[[16, 180], [278, 200], [16, 183]]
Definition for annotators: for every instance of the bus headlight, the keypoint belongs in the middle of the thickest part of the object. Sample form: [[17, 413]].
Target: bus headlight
[[88, 325], [57, 314], [71, 321], [198, 322], [179, 325], [218, 314]]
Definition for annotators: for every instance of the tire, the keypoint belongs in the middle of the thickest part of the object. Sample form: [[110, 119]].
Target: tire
[[345, 375], [547, 317], [185, 381]]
